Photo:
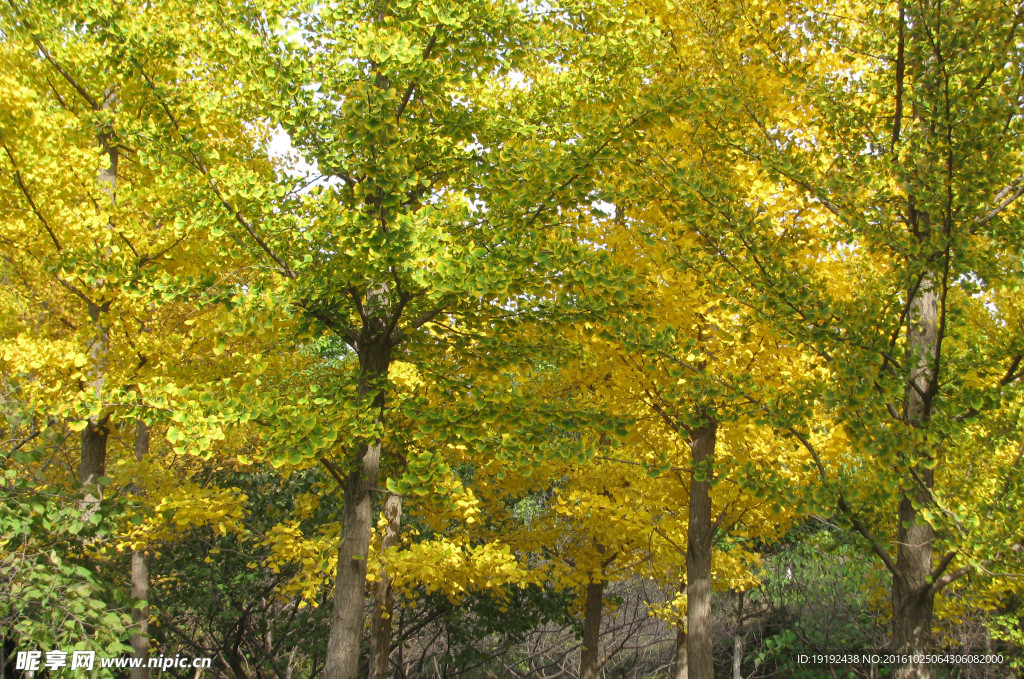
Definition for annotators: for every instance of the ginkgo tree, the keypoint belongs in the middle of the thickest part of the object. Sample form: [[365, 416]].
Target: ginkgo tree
[[856, 191], [448, 193], [694, 372], [106, 255], [812, 270]]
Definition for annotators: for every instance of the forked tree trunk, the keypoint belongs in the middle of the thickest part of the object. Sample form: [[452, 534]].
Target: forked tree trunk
[[590, 654], [374, 351], [699, 643], [383, 594], [92, 464], [913, 597], [140, 576]]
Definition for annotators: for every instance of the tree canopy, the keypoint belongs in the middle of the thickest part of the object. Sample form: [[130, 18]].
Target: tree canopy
[[490, 338]]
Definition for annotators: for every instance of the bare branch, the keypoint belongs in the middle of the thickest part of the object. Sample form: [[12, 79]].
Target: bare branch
[[416, 324], [1003, 200], [28, 196], [333, 469], [412, 86], [92, 101]]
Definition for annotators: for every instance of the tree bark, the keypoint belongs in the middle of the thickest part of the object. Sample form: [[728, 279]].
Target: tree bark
[[913, 597], [92, 464], [342, 661], [383, 594], [682, 670], [140, 575], [374, 350], [700, 658], [590, 654], [737, 641]]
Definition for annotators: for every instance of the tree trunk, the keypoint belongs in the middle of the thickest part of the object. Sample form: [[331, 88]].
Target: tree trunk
[[594, 607], [374, 349], [699, 643], [682, 667], [140, 576], [342, 661], [383, 595], [93, 461], [913, 597], [737, 641]]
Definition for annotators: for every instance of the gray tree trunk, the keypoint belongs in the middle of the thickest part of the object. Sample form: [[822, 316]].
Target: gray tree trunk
[[342, 661], [374, 349], [913, 597], [92, 464], [737, 641], [384, 595], [682, 670], [699, 643], [593, 609], [140, 576]]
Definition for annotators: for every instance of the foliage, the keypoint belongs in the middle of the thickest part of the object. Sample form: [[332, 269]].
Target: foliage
[[53, 592], [514, 258]]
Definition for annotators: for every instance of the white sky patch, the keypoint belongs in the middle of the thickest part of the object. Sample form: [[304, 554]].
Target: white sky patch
[[288, 158], [515, 80], [605, 208], [294, 164]]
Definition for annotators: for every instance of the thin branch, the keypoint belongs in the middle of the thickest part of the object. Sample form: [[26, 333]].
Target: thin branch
[[93, 103], [201, 166], [75, 291], [900, 65], [417, 323], [412, 86], [949, 578], [348, 334], [866, 534], [1011, 372], [1004, 199], [145, 259], [943, 564], [333, 469], [28, 196]]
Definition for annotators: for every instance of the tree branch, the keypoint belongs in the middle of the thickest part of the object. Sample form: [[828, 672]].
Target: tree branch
[[897, 118], [401, 333], [1003, 199], [866, 534], [28, 196], [93, 103], [201, 166], [333, 469], [412, 86]]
